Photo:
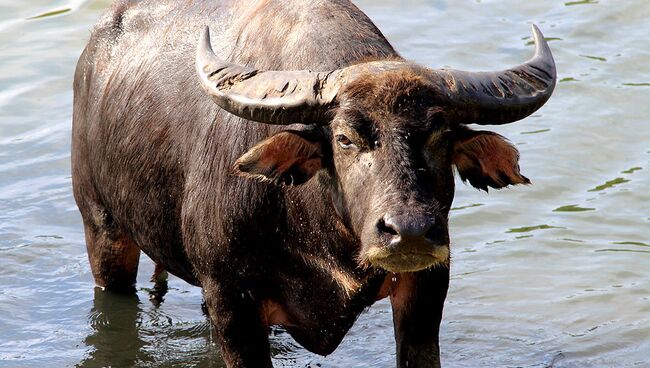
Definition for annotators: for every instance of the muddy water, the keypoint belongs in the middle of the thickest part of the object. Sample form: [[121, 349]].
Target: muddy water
[[554, 274]]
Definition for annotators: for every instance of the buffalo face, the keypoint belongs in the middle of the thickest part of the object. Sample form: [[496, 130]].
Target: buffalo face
[[392, 162], [390, 134]]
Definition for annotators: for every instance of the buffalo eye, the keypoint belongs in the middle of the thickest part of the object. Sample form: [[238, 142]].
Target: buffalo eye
[[345, 142]]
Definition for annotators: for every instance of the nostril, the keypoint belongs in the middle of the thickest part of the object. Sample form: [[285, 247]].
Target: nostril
[[386, 228], [431, 234], [438, 233]]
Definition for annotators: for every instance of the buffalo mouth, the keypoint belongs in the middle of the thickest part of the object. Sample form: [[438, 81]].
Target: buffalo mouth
[[408, 261]]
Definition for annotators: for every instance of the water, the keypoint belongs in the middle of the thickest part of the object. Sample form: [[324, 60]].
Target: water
[[551, 275]]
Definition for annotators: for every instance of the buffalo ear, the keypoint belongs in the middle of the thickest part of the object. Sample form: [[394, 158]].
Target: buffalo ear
[[487, 159], [288, 157]]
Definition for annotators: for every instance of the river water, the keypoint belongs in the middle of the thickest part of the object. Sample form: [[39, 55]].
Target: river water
[[556, 274]]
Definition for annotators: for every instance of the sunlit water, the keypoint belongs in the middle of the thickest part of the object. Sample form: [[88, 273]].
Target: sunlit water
[[554, 274]]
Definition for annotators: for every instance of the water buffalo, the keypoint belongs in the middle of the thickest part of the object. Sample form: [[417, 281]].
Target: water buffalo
[[297, 173]]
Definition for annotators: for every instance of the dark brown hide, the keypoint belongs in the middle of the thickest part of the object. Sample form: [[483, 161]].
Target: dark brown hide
[[153, 158]]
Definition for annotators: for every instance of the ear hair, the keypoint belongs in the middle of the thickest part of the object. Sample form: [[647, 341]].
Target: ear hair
[[288, 157], [487, 159]]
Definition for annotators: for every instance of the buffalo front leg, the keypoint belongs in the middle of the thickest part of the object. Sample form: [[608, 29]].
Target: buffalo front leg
[[239, 329], [417, 300], [113, 259]]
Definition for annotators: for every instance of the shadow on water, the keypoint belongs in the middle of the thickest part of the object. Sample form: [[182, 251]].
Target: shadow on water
[[127, 333], [115, 339]]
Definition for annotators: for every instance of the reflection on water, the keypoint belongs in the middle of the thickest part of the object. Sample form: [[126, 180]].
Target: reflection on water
[[609, 184], [537, 131], [581, 2], [527, 229], [599, 58], [572, 208], [631, 170], [466, 206], [50, 13], [553, 274], [114, 318], [127, 332]]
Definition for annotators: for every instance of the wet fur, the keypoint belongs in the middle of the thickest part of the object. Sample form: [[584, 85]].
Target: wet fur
[[152, 166]]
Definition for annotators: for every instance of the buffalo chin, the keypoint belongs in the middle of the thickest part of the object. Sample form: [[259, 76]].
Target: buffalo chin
[[409, 262]]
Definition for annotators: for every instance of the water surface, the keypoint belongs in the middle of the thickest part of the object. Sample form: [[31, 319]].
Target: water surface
[[550, 275]]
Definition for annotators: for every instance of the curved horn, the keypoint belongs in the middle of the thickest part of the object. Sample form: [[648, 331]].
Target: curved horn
[[498, 97], [273, 97]]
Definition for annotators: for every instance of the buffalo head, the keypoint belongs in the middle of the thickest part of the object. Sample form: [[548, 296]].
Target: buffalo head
[[387, 135]]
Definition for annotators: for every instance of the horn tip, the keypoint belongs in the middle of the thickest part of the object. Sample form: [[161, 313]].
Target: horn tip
[[204, 52], [538, 36], [536, 30], [204, 41], [542, 49]]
